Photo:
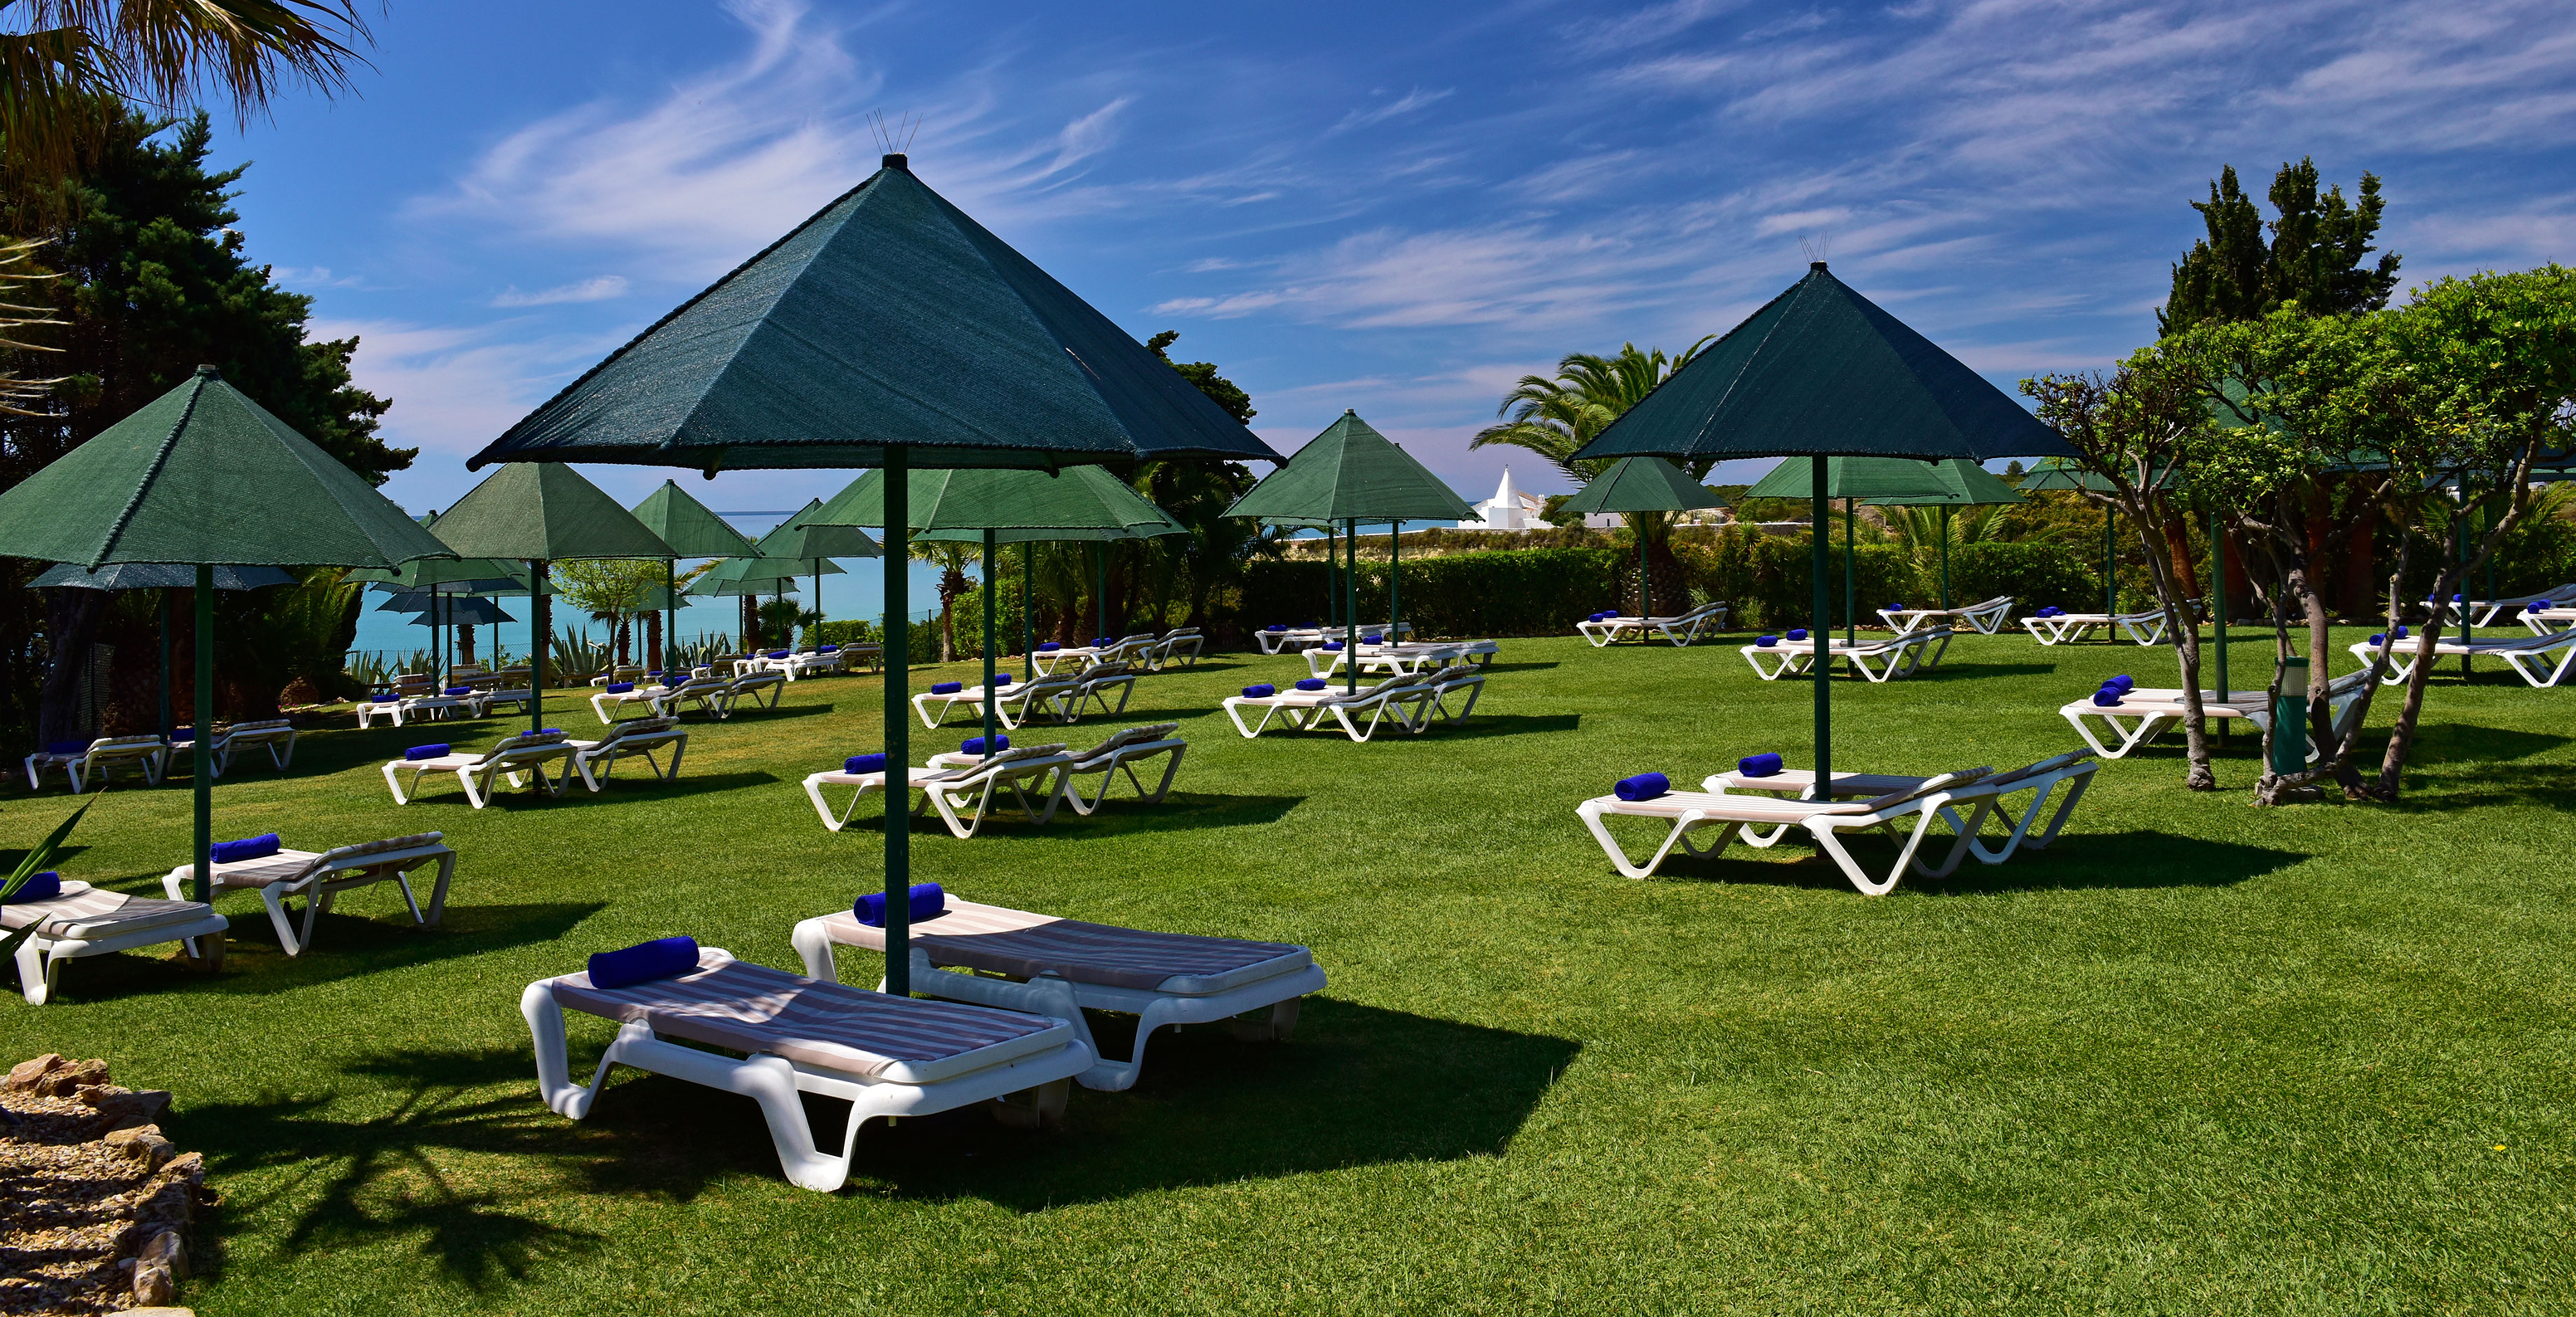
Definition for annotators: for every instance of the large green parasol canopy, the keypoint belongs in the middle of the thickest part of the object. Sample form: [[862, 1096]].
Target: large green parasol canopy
[[1870, 479], [888, 318], [756, 575], [545, 512], [203, 475], [1642, 484], [1965, 484], [155, 576], [802, 537], [690, 527], [1350, 472], [1085, 500]]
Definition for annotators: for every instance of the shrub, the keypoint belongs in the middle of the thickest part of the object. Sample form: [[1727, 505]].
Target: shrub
[[1500, 592], [2036, 573], [1779, 589]]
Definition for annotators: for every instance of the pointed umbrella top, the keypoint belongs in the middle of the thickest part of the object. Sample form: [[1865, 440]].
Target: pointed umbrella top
[[801, 537], [887, 318], [1867, 478], [202, 475], [1967, 485], [690, 527], [1350, 472], [545, 512], [757, 575], [1821, 370], [1642, 484], [1082, 502]]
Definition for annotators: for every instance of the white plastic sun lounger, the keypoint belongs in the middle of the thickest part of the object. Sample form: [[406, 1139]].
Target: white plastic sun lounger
[[1680, 628], [1877, 660], [526, 752], [637, 738], [970, 697], [1298, 637], [1120, 754], [1094, 687], [319, 877], [91, 921], [1462, 685], [1307, 711], [1062, 967], [2529, 656], [2143, 714], [145, 756], [407, 708], [275, 735], [1179, 645], [1987, 618], [1735, 813], [610, 705], [1403, 660], [619, 673], [707, 693], [748, 687], [2074, 770], [2144, 628], [2486, 611], [2549, 621], [886, 1056], [970, 789]]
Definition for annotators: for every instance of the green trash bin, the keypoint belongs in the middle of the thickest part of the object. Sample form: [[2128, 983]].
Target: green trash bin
[[2290, 719]]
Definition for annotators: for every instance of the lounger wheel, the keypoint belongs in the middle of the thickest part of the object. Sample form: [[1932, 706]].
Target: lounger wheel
[[1035, 1108], [1272, 1025]]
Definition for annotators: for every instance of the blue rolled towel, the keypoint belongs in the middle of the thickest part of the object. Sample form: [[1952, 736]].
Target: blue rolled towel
[[2401, 633], [946, 687], [661, 958], [458, 690], [864, 764], [1766, 642], [1312, 683], [1003, 679], [42, 887], [1099, 641], [1797, 633], [2455, 599], [2124, 681], [1897, 607], [974, 745], [2051, 611], [2108, 697], [1259, 691], [2538, 606], [65, 747], [778, 653], [2379, 637], [620, 687], [925, 900], [1333, 646], [388, 699], [426, 751], [1048, 647], [178, 734], [1276, 626], [248, 848], [827, 649], [1765, 764], [547, 731], [1372, 640], [1644, 786]]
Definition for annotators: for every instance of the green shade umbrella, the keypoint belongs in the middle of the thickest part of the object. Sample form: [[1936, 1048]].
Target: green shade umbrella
[[888, 331], [163, 577], [1642, 484], [537, 513], [1822, 372], [994, 507], [797, 537], [693, 531], [1349, 474], [440, 578], [204, 476], [1850, 479], [1969, 485]]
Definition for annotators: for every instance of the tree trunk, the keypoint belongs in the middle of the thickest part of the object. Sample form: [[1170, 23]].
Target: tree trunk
[[2177, 554], [2180, 623], [653, 641]]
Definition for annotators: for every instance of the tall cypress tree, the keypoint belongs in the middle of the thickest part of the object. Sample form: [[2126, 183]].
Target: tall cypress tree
[[2313, 253]]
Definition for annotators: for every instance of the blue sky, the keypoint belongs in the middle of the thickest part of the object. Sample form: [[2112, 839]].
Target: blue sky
[[1396, 208]]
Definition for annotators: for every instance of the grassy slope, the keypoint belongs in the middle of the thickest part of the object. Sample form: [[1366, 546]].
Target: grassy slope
[[2197, 1058]]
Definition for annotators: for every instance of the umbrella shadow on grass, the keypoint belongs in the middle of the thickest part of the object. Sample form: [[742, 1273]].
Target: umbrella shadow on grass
[[2139, 859], [407, 1170], [1481, 724], [367, 932], [1963, 670], [1180, 811]]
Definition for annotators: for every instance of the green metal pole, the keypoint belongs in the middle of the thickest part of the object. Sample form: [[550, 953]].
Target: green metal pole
[[1028, 626], [670, 616], [537, 622], [201, 774], [1945, 555], [1351, 613], [986, 590], [898, 727], [1395, 583], [1851, 594], [1100, 595], [1819, 631], [165, 663]]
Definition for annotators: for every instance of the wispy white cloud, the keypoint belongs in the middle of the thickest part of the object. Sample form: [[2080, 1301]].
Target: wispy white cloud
[[598, 288], [1406, 104]]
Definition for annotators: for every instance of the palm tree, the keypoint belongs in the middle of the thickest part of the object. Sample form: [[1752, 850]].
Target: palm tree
[[952, 557], [67, 64], [1555, 418]]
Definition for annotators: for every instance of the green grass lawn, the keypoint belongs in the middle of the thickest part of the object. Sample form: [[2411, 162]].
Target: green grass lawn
[[2196, 1058]]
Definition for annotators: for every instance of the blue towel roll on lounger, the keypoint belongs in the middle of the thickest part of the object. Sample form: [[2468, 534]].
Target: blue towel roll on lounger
[[1644, 786], [65, 747], [864, 764], [1766, 642], [1003, 679], [661, 958], [827, 649], [40, 887], [546, 731], [620, 687], [1312, 683], [426, 751], [1275, 626], [1099, 642], [178, 734], [1372, 640], [388, 699], [778, 653], [974, 745], [2124, 681], [1048, 646], [248, 848], [926, 899], [458, 690], [1897, 607], [1797, 633], [946, 687], [1333, 646], [2107, 697], [1259, 691], [1765, 764]]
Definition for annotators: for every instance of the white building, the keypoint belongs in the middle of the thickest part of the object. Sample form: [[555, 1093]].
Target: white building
[[1511, 508]]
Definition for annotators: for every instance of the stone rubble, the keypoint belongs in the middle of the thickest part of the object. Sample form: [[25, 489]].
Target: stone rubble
[[98, 1204]]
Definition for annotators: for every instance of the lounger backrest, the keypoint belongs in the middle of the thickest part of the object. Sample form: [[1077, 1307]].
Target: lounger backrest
[[637, 727], [522, 741], [340, 857], [1015, 754], [1131, 736], [123, 744], [263, 725], [2048, 765], [1927, 787]]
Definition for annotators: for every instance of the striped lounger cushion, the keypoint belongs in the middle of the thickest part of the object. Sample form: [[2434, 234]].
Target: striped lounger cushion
[[99, 914], [1015, 942], [752, 1008]]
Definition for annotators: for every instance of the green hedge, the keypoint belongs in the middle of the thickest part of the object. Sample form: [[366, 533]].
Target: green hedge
[[2036, 573], [1505, 592], [1779, 589]]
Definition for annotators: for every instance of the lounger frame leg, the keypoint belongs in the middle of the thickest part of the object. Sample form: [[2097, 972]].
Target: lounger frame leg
[[1690, 821]]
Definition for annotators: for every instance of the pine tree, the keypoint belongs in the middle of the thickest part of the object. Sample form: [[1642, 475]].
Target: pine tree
[[2313, 256]]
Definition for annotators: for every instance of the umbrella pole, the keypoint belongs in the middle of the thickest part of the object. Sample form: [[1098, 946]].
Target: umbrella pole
[[670, 616], [201, 771], [1351, 612], [536, 645], [165, 663], [1945, 556], [1028, 624], [1851, 596], [1819, 634], [1395, 583], [898, 725], [987, 646], [1645, 603]]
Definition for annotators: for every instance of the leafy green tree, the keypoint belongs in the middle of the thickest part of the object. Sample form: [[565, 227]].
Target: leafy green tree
[[1235, 401], [1195, 493], [1555, 417], [2312, 257]]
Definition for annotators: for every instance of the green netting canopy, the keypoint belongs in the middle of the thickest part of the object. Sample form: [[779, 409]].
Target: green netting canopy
[[801, 537], [155, 576], [888, 318], [1350, 472], [544, 512], [756, 575], [1965, 484], [1087, 501], [1867, 478], [690, 527], [1642, 484]]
